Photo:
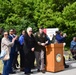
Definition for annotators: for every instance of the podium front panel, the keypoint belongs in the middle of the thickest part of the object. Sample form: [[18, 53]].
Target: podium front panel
[[54, 57]]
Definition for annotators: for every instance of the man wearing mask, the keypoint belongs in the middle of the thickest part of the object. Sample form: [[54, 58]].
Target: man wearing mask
[[21, 44], [12, 53], [40, 51]]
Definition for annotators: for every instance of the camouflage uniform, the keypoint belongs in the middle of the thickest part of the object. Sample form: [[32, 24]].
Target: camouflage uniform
[[40, 51]]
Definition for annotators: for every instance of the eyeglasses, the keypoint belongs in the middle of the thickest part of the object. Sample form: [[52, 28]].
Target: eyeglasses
[[5, 34], [30, 31], [11, 31]]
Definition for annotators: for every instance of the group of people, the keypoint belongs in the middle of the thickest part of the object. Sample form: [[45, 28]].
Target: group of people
[[30, 46]]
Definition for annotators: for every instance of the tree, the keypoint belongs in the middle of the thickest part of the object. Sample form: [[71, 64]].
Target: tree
[[69, 16], [19, 14]]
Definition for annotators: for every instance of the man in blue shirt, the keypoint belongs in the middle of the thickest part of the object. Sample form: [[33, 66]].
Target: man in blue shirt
[[60, 38], [21, 38], [73, 47], [21, 42]]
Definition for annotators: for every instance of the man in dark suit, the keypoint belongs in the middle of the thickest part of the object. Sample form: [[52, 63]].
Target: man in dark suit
[[12, 53]]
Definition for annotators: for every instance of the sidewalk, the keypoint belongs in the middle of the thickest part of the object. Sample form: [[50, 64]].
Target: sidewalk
[[69, 71]]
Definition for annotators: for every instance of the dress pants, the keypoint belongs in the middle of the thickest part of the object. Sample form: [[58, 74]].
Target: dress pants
[[40, 61], [11, 62], [22, 64]]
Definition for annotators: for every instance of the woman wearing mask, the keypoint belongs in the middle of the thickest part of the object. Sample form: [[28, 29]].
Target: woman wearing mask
[[29, 47], [6, 45]]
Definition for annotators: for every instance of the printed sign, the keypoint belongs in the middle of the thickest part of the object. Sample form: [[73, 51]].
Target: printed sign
[[50, 32]]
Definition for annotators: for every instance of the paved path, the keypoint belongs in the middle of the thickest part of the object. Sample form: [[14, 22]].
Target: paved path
[[70, 71]]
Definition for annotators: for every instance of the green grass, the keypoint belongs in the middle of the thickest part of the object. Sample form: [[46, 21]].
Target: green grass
[[1, 66], [66, 48]]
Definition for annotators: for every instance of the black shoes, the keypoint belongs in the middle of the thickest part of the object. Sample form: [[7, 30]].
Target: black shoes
[[66, 66], [15, 68], [0, 74], [28, 73], [74, 57], [38, 70], [12, 73], [43, 71], [22, 69]]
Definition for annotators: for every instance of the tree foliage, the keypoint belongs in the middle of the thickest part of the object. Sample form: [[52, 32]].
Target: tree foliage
[[20, 14]]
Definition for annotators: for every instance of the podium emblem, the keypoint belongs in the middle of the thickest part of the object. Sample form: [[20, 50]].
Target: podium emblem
[[58, 57]]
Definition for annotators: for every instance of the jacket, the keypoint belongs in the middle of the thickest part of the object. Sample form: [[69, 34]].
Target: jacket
[[6, 45]]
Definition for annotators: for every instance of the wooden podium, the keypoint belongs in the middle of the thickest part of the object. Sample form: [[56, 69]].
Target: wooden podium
[[54, 57]]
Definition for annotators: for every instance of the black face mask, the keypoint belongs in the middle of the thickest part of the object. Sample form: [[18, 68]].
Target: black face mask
[[74, 40]]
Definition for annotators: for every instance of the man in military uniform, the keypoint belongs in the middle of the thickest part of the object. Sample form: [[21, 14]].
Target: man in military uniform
[[40, 51]]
